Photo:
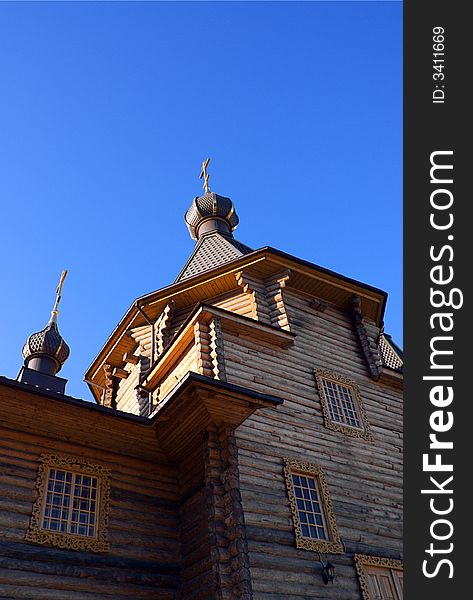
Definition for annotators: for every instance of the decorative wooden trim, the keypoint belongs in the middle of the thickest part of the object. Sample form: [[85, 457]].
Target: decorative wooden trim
[[38, 535], [334, 545], [369, 349], [217, 349], [365, 433], [163, 327], [202, 349], [275, 298], [363, 560], [257, 291], [141, 337], [108, 394]]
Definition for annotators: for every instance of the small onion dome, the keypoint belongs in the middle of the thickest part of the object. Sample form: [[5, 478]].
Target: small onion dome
[[211, 212], [48, 346]]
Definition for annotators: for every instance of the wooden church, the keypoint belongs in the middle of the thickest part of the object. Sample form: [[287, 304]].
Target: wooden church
[[246, 440]]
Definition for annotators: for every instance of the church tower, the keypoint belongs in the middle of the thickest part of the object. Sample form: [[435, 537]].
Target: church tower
[[318, 464], [45, 352]]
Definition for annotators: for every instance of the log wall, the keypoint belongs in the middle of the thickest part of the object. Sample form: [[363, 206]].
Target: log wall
[[143, 530], [364, 478], [187, 362], [242, 304], [197, 577], [217, 525], [213, 534]]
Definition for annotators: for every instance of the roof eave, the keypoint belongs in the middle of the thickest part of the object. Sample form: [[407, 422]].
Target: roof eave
[[179, 286]]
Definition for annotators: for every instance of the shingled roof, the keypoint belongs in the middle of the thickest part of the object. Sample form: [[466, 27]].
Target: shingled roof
[[391, 354], [212, 250]]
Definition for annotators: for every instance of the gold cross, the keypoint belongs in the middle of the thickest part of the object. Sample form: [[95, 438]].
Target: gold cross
[[205, 175], [59, 290]]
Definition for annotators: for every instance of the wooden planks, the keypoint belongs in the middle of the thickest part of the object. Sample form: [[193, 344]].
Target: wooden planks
[[144, 557], [364, 479]]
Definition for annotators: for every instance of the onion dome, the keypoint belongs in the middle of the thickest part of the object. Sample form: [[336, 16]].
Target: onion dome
[[46, 343], [211, 220], [45, 350], [211, 212]]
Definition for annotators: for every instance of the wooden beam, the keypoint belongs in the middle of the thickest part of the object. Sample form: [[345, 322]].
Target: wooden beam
[[120, 373], [128, 357]]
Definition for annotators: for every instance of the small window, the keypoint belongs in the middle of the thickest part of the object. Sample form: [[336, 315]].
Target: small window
[[71, 503], [312, 510], [341, 405], [71, 509], [380, 578]]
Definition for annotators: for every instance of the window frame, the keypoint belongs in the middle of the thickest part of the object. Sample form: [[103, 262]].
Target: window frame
[[365, 560], [362, 432], [332, 544], [38, 534]]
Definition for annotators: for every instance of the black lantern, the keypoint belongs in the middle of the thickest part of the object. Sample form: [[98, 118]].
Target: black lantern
[[328, 572]]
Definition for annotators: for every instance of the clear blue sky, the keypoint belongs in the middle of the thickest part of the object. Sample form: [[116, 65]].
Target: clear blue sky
[[108, 109]]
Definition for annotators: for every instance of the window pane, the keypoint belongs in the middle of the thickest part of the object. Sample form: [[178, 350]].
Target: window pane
[[84, 505], [57, 501], [309, 510], [340, 403], [70, 503]]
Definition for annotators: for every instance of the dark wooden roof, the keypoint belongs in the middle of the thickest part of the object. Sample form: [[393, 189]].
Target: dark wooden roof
[[212, 250]]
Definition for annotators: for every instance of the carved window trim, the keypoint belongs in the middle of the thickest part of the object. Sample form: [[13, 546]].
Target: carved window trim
[[362, 432], [332, 545], [364, 560], [37, 534]]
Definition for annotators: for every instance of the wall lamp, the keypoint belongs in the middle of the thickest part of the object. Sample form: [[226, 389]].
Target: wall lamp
[[328, 571]]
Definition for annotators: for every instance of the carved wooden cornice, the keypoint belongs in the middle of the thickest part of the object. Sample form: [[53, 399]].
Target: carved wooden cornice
[[275, 298], [256, 289], [369, 348], [217, 353], [308, 278], [162, 327], [202, 349], [108, 394]]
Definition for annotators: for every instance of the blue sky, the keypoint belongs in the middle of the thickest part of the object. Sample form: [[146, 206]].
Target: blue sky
[[108, 109]]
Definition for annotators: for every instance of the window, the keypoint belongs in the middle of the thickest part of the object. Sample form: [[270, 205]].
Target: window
[[341, 405], [380, 578], [71, 508], [312, 511], [71, 503]]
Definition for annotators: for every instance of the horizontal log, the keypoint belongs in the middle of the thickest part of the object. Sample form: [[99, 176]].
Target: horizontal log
[[120, 373], [128, 357]]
